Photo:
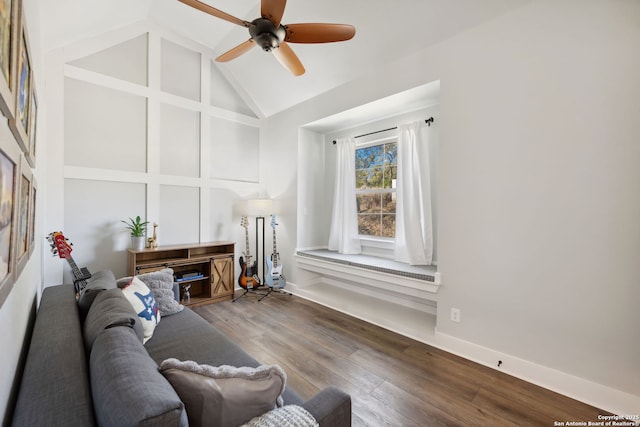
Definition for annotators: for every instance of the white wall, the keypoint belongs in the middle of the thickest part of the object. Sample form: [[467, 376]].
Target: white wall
[[153, 143], [538, 201], [19, 307]]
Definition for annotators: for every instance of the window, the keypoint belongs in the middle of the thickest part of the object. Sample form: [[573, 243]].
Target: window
[[376, 172]]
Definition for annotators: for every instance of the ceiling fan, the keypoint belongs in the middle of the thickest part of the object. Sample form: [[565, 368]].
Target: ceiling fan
[[272, 36]]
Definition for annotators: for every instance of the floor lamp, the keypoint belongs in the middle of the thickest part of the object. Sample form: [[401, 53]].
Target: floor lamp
[[260, 208]]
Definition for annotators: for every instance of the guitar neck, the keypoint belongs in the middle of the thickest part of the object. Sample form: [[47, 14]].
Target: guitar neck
[[274, 256], [77, 273], [246, 238]]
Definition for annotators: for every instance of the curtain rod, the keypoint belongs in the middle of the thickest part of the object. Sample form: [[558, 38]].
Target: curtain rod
[[427, 121]]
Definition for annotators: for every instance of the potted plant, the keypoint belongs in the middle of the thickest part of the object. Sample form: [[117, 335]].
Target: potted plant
[[138, 230]]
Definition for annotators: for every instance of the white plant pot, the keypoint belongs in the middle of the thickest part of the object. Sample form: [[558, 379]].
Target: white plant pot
[[137, 243]]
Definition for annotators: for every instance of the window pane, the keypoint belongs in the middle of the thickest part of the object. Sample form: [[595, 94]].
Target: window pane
[[388, 226], [369, 224], [375, 179], [390, 175], [361, 179], [388, 203], [390, 154], [368, 203], [369, 156]]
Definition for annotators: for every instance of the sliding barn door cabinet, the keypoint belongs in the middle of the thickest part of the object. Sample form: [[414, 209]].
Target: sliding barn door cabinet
[[204, 272]]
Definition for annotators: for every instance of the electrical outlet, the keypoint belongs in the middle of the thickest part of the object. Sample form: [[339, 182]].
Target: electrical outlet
[[455, 315]]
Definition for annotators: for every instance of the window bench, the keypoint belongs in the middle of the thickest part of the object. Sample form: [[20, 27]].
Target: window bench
[[370, 268], [393, 295]]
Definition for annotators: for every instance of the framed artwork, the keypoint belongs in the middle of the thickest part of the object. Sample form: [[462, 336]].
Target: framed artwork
[[23, 200], [31, 231], [33, 118], [9, 13], [20, 123], [9, 172]]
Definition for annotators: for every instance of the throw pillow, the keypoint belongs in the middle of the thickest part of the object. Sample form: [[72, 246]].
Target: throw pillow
[[161, 285], [225, 395], [144, 305], [287, 416]]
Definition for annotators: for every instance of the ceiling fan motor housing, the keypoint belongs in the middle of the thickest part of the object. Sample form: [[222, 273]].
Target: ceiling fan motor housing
[[266, 35]]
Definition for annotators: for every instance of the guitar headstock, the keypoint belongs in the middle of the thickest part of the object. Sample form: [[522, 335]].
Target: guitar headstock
[[60, 245], [273, 221], [244, 222]]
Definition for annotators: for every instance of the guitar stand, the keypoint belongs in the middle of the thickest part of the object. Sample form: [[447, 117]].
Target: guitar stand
[[274, 290], [250, 291]]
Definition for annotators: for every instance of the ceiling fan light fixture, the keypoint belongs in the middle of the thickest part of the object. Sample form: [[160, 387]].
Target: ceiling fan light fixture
[[266, 35]]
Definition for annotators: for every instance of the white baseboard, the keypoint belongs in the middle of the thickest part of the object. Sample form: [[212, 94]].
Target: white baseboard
[[594, 394]]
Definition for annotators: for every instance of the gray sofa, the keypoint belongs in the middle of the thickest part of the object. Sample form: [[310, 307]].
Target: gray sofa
[[73, 371]]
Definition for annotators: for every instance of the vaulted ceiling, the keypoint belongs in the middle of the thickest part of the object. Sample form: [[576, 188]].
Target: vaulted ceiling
[[385, 31]]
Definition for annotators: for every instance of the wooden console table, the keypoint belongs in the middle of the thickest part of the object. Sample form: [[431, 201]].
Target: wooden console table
[[206, 269]]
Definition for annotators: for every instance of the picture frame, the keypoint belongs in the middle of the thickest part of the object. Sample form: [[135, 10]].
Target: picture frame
[[10, 11], [10, 164], [22, 82], [22, 218], [31, 232], [30, 154]]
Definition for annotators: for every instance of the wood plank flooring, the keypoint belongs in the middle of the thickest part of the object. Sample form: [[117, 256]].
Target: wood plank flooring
[[393, 380]]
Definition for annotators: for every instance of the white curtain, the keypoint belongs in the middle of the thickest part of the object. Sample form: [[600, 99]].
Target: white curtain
[[344, 221], [414, 228]]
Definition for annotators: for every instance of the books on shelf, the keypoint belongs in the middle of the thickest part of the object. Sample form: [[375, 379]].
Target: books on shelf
[[192, 275]]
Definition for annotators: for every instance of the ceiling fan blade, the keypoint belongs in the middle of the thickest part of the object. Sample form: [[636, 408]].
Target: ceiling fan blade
[[289, 60], [236, 51], [273, 10], [319, 33], [215, 12]]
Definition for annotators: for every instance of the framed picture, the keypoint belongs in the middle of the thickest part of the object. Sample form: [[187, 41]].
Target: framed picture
[[9, 22], [20, 123], [33, 118], [31, 231], [23, 200], [9, 187]]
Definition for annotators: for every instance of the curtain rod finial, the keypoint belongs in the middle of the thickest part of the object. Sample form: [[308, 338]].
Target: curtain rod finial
[[429, 121]]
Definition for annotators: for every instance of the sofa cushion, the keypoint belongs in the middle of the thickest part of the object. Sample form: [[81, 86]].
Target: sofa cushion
[[161, 285], [187, 336], [144, 304], [110, 308], [225, 395], [126, 386], [99, 281]]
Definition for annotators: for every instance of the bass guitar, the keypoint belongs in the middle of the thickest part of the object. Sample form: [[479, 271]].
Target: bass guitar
[[274, 277], [60, 246], [248, 278]]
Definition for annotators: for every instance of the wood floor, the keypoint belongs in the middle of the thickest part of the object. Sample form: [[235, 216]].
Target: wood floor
[[393, 380]]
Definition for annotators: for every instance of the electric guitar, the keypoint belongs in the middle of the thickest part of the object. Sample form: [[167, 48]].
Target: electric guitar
[[60, 246], [248, 278], [274, 277]]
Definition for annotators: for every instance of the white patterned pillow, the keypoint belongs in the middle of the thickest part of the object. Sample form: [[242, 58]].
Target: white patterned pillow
[[287, 416], [144, 305]]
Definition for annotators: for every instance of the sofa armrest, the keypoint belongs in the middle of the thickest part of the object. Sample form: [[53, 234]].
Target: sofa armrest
[[331, 407]]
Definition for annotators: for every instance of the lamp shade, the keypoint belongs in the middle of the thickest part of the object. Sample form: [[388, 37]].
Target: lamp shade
[[260, 207]]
